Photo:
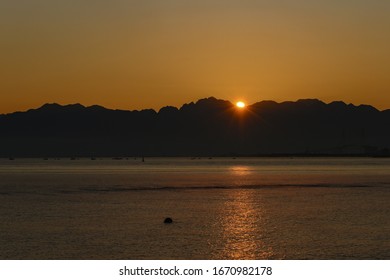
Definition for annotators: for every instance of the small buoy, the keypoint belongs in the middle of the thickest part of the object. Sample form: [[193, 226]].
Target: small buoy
[[168, 221]]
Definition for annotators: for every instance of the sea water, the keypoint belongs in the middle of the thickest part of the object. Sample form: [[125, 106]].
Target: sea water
[[222, 208]]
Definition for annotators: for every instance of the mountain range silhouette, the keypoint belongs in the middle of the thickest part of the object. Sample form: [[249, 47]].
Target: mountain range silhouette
[[208, 127]]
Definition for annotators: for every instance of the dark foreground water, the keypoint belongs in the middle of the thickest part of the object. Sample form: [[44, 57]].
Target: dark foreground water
[[268, 208]]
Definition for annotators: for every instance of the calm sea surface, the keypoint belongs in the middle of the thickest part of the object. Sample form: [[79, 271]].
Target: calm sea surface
[[222, 208]]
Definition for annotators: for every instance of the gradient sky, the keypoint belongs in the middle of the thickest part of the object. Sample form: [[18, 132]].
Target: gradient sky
[[151, 53]]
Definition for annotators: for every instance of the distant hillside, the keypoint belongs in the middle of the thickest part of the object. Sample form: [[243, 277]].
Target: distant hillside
[[209, 127]]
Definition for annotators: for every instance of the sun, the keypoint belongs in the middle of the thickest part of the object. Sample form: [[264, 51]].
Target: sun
[[240, 104]]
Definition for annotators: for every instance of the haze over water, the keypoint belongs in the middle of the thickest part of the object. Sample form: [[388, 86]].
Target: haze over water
[[222, 208]]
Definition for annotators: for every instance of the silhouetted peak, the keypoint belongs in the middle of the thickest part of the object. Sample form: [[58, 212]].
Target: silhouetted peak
[[187, 106], [54, 107], [300, 104], [168, 110], [367, 108], [265, 104], [362, 107], [211, 100], [207, 100], [337, 104], [206, 105], [97, 108], [310, 102], [50, 106], [76, 106], [213, 103], [148, 112]]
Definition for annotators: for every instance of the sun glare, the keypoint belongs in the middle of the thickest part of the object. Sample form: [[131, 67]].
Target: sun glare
[[240, 104]]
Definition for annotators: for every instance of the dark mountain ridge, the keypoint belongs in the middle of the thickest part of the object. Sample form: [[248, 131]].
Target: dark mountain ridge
[[208, 127]]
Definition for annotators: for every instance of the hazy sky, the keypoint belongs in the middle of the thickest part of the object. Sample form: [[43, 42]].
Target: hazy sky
[[150, 53]]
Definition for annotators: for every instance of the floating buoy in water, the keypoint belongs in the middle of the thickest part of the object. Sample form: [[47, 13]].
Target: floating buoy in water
[[168, 221]]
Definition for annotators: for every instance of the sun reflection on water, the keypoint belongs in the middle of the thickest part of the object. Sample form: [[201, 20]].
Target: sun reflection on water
[[240, 170], [240, 175], [242, 226]]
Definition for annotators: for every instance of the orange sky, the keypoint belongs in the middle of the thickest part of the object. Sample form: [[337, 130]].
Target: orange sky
[[148, 54]]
